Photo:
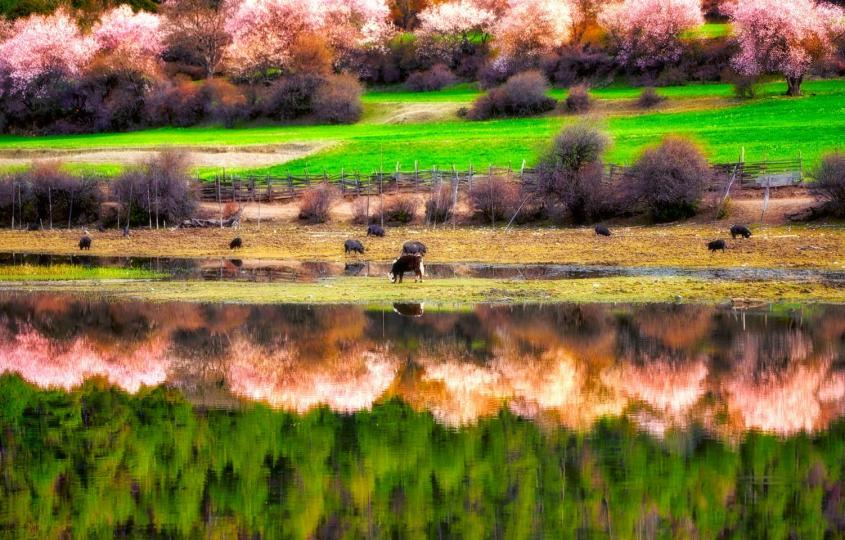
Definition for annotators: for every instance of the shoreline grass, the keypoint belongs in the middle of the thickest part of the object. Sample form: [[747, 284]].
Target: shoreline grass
[[453, 291], [72, 272]]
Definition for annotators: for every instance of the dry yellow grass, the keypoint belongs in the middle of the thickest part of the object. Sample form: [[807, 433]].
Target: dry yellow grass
[[802, 246]]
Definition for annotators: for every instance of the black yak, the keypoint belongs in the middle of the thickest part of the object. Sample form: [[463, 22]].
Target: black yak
[[353, 246], [407, 263], [85, 242], [601, 230], [716, 245], [236, 243], [375, 230], [414, 248], [740, 230]]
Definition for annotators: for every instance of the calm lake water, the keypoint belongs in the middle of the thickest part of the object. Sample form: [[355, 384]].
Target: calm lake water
[[563, 421]]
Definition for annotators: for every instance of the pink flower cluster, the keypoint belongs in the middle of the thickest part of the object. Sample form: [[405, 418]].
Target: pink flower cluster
[[648, 31]]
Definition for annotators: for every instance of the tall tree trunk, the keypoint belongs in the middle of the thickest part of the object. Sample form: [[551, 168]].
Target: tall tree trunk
[[794, 86]]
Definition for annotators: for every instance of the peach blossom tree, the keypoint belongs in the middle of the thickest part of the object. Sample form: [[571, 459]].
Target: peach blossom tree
[[784, 37], [135, 38], [40, 44], [532, 27], [647, 32]]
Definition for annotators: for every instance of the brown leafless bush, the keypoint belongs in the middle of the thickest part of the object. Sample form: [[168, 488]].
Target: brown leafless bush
[[400, 209], [157, 192], [829, 185], [494, 199], [317, 202]]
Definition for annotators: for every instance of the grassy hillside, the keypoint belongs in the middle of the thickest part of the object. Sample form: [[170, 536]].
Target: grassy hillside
[[770, 126]]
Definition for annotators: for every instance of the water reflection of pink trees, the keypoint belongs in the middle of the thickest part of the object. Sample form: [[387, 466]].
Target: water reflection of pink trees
[[663, 366], [51, 364]]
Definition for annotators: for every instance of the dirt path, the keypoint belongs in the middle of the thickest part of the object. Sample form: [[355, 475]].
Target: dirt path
[[228, 157]]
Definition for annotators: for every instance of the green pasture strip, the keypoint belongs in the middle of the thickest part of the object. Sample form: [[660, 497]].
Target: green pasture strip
[[72, 272]]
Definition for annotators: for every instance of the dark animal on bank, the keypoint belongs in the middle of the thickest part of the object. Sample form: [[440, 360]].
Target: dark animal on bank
[[33, 227], [414, 248], [353, 246], [407, 263], [409, 310], [716, 245], [375, 230], [85, 242], [740, 230], [601, 230], [236, 243]]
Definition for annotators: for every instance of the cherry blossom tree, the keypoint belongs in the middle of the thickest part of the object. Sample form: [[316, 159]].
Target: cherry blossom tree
[[41, 44], [264, 32], [784, 37], [647, 32], [531, 27], [134, 38], [356, 23], [458, 18]]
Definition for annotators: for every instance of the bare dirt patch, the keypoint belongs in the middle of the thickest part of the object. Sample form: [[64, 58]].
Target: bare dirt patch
[[228, 157]]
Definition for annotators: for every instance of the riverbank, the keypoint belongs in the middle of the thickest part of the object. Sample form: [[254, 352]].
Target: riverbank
[[680, 246], [357, 290]]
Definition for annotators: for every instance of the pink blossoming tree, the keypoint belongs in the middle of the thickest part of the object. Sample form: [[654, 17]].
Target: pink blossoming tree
[[647, 32], [134, 38], [784, 37], [40, 44], [531, 27]]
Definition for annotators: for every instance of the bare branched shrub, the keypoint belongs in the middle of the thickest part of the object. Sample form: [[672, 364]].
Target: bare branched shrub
[[363, 210], [338, 100], [578, 100], [45, 195], [436, 78], [571, 174], [317, 202], [829, 185], [668, 180], [495, 199], [157, 192], [523, 94], [400, 209], [439, 205], [649, 98]]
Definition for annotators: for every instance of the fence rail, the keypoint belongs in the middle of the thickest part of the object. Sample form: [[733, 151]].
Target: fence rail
[[265, 188]]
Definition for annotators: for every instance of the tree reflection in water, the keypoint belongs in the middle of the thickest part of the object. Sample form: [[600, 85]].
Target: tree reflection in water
[[562, 421]]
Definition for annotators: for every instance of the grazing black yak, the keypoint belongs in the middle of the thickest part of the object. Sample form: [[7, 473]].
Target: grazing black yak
[[353, 246], [601, 230], [375, 230], [407, 263], [236, 243], [414, 248], [85, 242], [740, 230], [716, 245]]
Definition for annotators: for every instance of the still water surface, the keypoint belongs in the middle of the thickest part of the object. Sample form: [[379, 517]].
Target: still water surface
[[650, 421]]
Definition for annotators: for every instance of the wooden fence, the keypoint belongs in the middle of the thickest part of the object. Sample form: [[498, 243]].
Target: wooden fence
[[251, 188]]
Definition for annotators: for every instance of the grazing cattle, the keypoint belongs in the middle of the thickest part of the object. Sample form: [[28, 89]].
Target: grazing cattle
[[601, 230], [375, 230], [353, 246], [33, 227], [407, 263], [716, 245], [236, 243], [740, 230], [414, 248], [85, 242]]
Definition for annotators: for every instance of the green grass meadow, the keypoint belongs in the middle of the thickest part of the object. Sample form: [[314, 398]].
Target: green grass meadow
[[770, 126]]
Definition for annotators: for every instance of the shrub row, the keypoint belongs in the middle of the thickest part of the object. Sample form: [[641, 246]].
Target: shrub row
[[120, 101]]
